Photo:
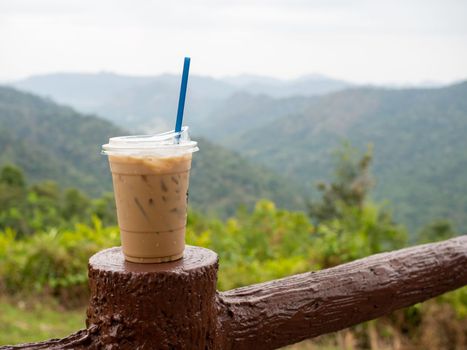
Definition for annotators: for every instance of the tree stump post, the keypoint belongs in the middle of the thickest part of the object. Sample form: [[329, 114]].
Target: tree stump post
[[153, 306]]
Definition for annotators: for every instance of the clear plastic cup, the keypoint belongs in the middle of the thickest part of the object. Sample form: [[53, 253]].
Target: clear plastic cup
[[150, 175]]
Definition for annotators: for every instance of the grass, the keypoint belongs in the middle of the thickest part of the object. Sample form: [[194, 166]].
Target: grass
[[31, 320]]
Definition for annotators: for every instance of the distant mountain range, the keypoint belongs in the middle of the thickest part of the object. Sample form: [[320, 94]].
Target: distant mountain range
[[49, 141], [307, 85], [149, 103]]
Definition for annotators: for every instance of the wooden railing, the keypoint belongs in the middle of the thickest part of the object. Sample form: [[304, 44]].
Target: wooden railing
[[176, 306]]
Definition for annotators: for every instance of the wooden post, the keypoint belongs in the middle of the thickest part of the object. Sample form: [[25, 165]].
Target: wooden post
[[175, 305], [153, 306]]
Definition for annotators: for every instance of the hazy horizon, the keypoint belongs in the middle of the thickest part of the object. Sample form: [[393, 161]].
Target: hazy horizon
[[362, 42], [402, 84]]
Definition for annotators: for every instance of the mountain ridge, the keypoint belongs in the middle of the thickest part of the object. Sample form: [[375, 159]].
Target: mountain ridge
[[51, 141], [418, 137], [149, 103]]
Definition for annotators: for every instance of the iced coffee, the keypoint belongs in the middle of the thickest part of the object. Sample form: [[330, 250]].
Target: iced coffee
[[150, 177]]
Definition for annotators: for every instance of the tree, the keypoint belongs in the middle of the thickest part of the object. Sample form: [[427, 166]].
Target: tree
[[348, 225], [12, 198], [75, 205], [12, 176], [350, 187], [104, 208], [436, 231]]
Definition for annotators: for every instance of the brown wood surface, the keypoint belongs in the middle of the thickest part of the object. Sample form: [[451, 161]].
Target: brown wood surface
[[153, 306], [175, 306], [281, 312]]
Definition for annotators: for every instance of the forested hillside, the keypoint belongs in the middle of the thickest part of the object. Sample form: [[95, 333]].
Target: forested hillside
[[242, 112], [418, 137], [49, 141]]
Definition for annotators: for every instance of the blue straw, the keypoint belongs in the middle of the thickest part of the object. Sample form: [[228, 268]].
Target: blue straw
[[181, 99]]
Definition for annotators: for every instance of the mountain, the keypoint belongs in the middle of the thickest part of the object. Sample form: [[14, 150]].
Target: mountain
[[137, 103], [149, 104], [419, 138], [83, 91], [244, 111], [308, 85], [152, 107], [50, 141]]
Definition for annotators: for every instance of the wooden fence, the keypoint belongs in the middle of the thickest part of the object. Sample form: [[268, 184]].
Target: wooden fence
[[176, 306]]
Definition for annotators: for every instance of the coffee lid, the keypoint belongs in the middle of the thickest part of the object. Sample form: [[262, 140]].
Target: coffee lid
[[164, 144]]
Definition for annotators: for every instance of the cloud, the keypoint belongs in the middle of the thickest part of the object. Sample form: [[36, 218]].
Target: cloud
[[366, 41]]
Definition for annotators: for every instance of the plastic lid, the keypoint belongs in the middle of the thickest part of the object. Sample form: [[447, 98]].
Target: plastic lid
[[165, 144]]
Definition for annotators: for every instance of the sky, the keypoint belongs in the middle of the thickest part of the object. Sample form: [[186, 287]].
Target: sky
[[396, 42]]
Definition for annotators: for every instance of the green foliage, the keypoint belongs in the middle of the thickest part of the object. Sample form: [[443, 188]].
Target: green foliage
[[45, 206], [255, 246], [348, 225], [51, 261], [265, 244], [74, 204], [12, 176], [436, 231], [359, 233], [350, 187]]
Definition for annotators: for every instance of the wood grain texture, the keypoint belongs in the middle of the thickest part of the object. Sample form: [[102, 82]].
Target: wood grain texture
[[175, 305], [153, 306], [285, 311]]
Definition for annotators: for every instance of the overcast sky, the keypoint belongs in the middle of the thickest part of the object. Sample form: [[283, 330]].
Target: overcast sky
[[397, 41]]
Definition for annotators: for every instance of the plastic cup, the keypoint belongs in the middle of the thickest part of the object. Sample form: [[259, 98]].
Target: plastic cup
[[150, 175]]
